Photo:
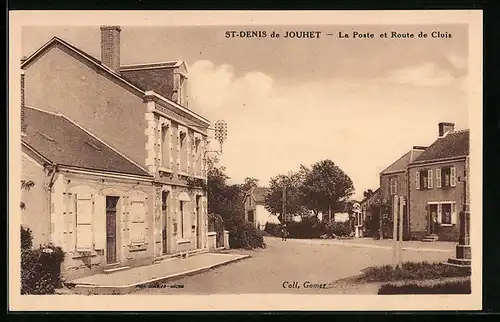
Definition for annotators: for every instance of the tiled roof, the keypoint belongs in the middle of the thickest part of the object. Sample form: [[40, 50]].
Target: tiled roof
[[63, 142], [259, 194], [375, 195], [401, 163], [454, 144]]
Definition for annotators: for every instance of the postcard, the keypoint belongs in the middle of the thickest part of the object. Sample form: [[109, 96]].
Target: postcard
[[245, 160]]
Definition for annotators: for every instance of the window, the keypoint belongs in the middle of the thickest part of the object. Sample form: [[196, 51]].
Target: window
[[181, 209], [138, 215], [446, 177], [393, 185], [424, 179], [446, 213], [165, 146], [251, 216], [183, 150], [84, 210], [249, 201]]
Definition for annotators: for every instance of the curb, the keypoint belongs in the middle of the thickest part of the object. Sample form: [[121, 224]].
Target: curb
[[85, 289], [411, 249]]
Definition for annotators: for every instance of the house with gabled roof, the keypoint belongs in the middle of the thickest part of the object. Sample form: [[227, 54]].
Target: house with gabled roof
[[394, 181], [436, 193], [255, 210], [141, 113]]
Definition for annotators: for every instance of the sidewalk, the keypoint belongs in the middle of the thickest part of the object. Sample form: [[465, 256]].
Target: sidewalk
[[132, 279], [415, 246]]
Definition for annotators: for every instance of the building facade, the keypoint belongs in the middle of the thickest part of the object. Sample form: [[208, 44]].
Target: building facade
[[437, 189], [139, 111], [394, 182], [255, 211]]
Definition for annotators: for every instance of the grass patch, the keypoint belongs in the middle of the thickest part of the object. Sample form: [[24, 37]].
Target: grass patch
[[412, 271], [462, 286]]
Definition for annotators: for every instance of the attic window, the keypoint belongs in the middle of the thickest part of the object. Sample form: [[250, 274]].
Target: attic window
[[93, 146], [45, 136]]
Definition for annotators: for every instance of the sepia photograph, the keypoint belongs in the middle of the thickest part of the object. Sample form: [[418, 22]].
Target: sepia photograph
[[231, 160]]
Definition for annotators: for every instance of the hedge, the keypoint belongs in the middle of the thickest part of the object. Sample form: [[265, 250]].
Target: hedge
[[40, 267]]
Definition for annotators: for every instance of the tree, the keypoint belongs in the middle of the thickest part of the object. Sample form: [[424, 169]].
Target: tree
[[224, 199], [294, 200], [249, 183], [368, 193], [326, 188], [26, 185]]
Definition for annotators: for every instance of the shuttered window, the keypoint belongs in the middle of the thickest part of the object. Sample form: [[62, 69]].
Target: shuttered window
[[438, 178], [453, 214], [84, 212], [138, 221], [417, 179], [453, 177], [429, 178]]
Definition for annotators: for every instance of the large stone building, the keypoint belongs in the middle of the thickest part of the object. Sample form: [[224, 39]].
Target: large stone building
[[121, 155]]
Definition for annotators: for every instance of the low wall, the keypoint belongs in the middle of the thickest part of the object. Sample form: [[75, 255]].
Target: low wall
[[226, 239], [211, 240]]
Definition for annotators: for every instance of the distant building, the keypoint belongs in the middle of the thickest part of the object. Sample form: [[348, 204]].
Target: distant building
[[394, 181], [436, 195], [255, 211]]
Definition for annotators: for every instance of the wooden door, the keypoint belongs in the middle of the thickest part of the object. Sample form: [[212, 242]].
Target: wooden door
[[164, 213], [432, 218], [111, 203], [198, 222]]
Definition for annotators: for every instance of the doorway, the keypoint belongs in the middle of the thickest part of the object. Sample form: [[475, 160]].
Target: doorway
[[111, 204], [433, 209], [198, 223], [164, 215]]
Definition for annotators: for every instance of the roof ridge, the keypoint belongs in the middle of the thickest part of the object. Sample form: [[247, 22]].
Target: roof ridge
[[460, 131], [398, 159]]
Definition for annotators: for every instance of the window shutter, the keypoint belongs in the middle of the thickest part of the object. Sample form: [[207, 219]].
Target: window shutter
[[453, 214], [453, 176], [70, 221], [99, 222], [438, 178], [84, 210], [395, 185], [138, 215], [439, 217], [429, 178], [417, 179]]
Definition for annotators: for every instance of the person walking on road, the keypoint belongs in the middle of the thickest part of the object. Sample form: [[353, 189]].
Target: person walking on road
[[284, 233]]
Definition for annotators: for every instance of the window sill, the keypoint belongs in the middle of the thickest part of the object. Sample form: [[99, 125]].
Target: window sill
[[185, 174], [82, 254], [137, 247], [183, 241], [166, 170], [446, 225]]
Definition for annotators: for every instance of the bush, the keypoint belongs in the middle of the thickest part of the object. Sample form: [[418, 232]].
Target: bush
[[307, 228], [245, 235], [412, 271], [272, 229], [40, 267], [431, 287], [26, 238], [340, 229]]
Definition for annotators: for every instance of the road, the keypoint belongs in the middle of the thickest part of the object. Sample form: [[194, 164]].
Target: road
[[288, 267]]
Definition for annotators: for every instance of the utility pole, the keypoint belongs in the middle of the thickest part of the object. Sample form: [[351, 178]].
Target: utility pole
[[395, 200], [283, 207]]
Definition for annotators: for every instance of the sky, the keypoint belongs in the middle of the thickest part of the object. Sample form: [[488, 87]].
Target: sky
[[362, 103]]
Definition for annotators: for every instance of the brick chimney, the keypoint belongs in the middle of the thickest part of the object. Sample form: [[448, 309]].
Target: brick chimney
[[445, 128], [110, 47], [23, 123]]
